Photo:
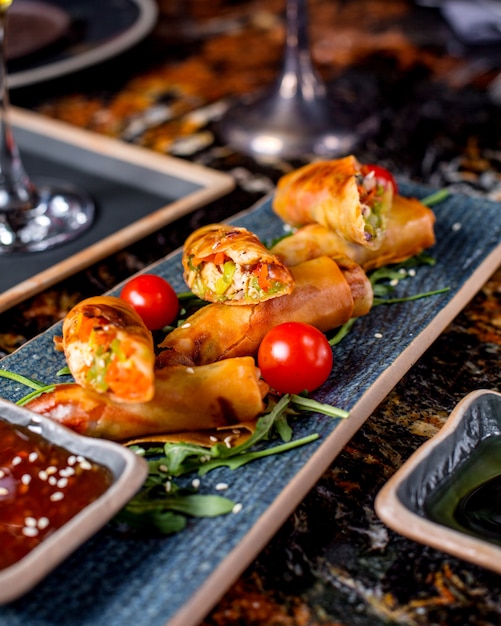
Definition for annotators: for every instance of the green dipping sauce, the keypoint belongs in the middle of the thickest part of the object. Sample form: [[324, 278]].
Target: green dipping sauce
[[469, 500]]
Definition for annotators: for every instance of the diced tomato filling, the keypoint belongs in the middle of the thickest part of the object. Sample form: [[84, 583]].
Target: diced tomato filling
[[367, 196], [126, 381], [263, 278], [218, 258]]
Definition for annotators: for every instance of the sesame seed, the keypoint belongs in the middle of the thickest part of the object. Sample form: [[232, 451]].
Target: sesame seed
[[190, 370], [30, 521], [394, 282], [456, 226], [163, 468], [56, 496], [237, 508], [52, 469], [26, 479], [227, 441], [43, 522], [85, 465], [2, 473], [67, 472], [168, 486], [412, 272], [221, 486], [42, 474], [62, 483], [213, 438], [72, 459], [33, 457], [378, 335], [30, 531], [16, 460], [3, 491], [52, 480], [195, 483], [187, 325]]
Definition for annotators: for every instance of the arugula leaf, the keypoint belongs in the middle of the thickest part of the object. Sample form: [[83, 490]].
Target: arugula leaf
[[162, 505], [436, 197], [24, 380]]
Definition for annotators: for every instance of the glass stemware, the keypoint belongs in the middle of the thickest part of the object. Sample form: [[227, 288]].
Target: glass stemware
[[32, 217], [296, 117]]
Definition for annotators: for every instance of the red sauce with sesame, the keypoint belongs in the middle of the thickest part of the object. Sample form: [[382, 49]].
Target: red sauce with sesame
[[42, 486]]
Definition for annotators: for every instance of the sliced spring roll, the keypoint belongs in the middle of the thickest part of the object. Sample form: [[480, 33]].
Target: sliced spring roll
[[337, 195], [109, 349], [323, 297], [228, 264], [409, 231], [186, 399]]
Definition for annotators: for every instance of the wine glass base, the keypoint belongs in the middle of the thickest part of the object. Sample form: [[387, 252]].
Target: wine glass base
[[63, 213], [274, 127]]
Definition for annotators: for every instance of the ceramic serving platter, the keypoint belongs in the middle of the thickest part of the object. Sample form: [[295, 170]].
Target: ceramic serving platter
[[129, 472], [421, 500], [176, 580], [135, 191]]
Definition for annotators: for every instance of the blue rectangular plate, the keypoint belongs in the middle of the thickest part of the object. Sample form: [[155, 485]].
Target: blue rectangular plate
[[176, 580]]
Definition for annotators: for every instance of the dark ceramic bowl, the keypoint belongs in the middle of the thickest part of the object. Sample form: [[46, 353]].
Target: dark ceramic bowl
[[446, 495]]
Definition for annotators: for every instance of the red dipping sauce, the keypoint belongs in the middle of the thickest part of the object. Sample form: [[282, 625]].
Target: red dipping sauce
[[42, 486]]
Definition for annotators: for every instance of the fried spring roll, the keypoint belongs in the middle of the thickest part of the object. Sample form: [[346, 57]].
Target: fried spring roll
[[337, 195], [109, 349], [409, 231], [322, 297], [186, 399], [228, 264]]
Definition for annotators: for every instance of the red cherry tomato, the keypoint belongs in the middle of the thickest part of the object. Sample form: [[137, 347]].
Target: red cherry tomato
[[294, 357], [381, 173], [153, 298]]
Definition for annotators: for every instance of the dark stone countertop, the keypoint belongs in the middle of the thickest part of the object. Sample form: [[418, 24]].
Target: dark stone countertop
[[437, 122]]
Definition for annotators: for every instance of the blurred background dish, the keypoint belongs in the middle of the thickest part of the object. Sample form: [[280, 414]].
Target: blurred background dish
[[33, 26], [76, 35]]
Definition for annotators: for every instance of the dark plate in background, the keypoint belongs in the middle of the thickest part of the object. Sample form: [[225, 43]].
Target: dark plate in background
[[97, 31]]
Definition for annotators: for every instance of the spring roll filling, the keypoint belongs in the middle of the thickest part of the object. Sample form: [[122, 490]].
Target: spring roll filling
[[373, 198], [220, 275], [109, 358]]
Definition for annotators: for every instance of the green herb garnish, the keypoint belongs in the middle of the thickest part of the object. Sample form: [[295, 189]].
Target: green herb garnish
[[164, 506]]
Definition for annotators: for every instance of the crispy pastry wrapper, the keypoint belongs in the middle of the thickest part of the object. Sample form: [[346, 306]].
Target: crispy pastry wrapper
[[324, 296], [337, 195], [409, 231], [229, 264], [109, 349], [186, 399]]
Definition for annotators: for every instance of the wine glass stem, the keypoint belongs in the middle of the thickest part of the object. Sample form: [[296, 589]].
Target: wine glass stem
[[298, 77], [16, 189]]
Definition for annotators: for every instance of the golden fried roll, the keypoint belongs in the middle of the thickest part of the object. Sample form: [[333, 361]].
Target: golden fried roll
[[337, 195], [322, 297], [409, 231], [109, 349], [360, 287], [228, 264], [186, 399]]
